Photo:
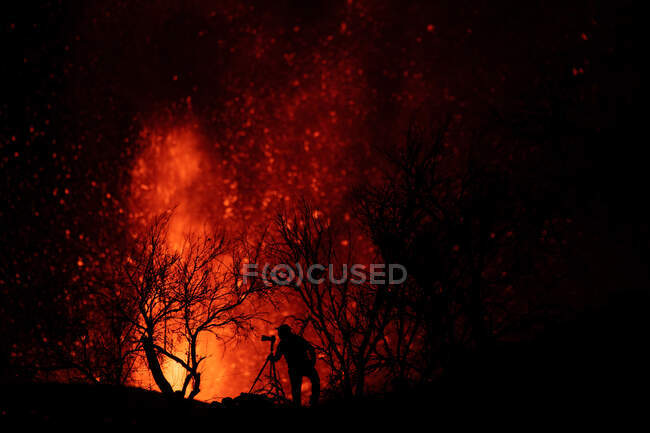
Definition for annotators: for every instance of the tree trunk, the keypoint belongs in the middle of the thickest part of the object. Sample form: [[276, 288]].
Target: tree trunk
[[476, 311], [347, 385], [360, 382], [154, 367], [196, 388], [476, 308]]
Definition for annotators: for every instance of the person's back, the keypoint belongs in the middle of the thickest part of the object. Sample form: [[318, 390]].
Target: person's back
[[301, 360], [297, 352]]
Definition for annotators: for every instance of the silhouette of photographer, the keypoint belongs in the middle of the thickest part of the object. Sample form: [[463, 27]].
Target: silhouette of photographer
[[301, 360]]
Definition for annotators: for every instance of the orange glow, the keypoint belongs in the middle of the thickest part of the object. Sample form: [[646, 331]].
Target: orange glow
[[274, 148], [167, 175], [173, 171]]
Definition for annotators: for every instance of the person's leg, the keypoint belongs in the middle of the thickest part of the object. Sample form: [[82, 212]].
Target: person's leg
[[296, 385], [315, 387]]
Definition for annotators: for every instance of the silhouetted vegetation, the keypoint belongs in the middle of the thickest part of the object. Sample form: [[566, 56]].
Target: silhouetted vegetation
[[491, 149], [349, 319], [476, 231]]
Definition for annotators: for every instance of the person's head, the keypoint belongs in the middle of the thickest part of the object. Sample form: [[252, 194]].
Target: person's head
[[284, 331]]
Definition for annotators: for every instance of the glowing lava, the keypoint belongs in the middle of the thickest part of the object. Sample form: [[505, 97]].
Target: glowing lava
[[173, 171], [171, 174]]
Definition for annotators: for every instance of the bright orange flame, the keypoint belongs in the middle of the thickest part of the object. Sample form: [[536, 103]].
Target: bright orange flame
[[272, 148], [168, 174], [173, 171]]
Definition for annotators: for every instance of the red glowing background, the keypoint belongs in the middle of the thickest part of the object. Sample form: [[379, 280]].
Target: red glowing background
[[230, 111]]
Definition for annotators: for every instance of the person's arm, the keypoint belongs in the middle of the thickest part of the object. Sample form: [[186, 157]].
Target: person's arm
[[278, 354], [312, 352]]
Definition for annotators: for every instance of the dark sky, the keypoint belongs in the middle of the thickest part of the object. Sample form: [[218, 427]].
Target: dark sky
[[252, 74], [292, 98]]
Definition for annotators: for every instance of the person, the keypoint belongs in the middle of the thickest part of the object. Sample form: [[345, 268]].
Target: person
[[301, 360]]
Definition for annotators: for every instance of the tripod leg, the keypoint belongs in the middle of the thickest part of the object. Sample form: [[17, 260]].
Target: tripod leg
[[258, 375], [275, 381]]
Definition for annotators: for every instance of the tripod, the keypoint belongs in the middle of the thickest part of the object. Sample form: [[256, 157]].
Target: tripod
[[274, 389]]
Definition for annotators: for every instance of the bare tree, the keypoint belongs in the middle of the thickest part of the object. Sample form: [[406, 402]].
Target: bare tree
[[348, 318], [210, 291], [459, 211], [148, 279], [176, 296]]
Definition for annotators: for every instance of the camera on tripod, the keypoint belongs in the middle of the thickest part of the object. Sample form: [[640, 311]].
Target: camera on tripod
[[275, 386]]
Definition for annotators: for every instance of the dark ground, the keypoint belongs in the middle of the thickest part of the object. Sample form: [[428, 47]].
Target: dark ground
[[597, 362]]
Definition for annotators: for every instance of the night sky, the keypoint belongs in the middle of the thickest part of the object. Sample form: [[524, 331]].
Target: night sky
[[231, 110]]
